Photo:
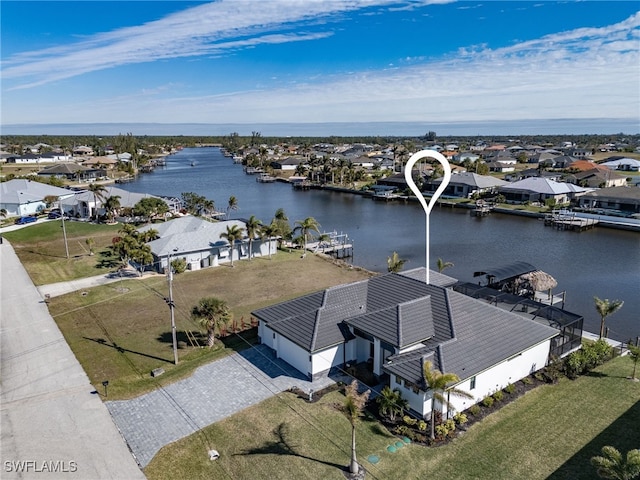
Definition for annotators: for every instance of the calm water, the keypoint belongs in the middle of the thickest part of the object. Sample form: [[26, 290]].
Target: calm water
[[601, 262]]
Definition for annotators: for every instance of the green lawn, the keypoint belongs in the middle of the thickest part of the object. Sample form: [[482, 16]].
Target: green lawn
[[41, 249], [121, 331], [549, 433]]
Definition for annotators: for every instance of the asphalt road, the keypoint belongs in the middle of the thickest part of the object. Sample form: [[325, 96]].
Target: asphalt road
[[53, 423]]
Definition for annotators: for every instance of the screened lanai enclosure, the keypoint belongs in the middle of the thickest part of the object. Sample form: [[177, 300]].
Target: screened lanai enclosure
[[523, 289]]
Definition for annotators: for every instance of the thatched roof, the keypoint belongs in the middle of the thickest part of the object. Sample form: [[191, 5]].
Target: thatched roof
[[537, 280]]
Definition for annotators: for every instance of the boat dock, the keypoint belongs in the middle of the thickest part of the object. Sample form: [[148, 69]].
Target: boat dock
[[265, 178], [482, 209], [567, 220], [336, 244]]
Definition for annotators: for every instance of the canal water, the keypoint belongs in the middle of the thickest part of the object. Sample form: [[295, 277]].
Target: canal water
[[600, 262]]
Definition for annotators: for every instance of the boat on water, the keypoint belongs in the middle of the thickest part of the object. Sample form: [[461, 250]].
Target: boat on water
[[265, 178], [252, 170]]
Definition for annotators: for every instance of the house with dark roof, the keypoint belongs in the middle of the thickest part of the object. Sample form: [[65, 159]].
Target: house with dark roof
[[623, 199], [465, 184], [397, 322]]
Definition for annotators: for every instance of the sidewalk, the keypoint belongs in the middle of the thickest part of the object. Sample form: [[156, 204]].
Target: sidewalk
[[53, 423]]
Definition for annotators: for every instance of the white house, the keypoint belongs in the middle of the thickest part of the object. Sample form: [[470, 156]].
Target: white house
[[397, 322], [199, 243], [25, 197]]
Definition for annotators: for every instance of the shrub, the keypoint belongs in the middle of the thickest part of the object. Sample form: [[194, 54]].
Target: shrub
[[402, 430], [488, 401], [422, 426], [498, 396], [441, 430], [527, 381], [539, 376], [179, 265], [409, 420], [461, 418], [510, 389], [451, 424], [474, 410]]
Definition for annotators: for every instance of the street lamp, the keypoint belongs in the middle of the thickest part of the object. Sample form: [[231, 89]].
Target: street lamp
[[171, 307]]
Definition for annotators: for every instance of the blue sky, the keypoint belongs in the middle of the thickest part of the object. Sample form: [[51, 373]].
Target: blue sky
[[311, 61]]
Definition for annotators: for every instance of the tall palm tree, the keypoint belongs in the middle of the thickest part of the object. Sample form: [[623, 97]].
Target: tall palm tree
[[282, 224], [305, 227], [606, 308], [252, 226], [442, 265], [112, 206], [3, 212], [98, 194], [395, 263], [211, 313], [438, 383], [354, 404], [612, 464], [232, 235], [232, 205], [268, 232]]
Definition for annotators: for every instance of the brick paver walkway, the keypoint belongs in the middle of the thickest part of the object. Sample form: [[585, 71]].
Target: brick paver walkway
[[214, 392]]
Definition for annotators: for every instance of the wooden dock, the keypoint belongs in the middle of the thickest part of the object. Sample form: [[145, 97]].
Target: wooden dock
[[565, 220], [482, 209], [336, 244]]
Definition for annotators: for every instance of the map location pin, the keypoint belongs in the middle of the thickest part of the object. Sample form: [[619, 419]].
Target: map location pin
[[414, 188]]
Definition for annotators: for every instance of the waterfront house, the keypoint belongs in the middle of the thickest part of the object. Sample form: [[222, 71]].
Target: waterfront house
[[537, 189], [288, 164], [625, 200], [394, 323], [465, 184], [73, 171], [597, 177], [199, 243]]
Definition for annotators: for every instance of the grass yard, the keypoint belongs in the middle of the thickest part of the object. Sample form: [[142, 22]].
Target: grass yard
[[121, 331], [549, 433], [41, 250]]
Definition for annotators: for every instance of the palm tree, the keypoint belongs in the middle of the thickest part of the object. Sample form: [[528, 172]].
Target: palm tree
[[112, 206], [211, 313], [390, 402], [634, 353], [442, 265], [606, 308], [90, 243], [438, 382], [232, 205], [268, 232], [306, 226], [611, 464], [281, 221], [395, 263], [232, 235], [98, 194], [3, 212], [354, 404], [252, 226]]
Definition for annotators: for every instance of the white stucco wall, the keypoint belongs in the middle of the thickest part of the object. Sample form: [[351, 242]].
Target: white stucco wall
[[291, 353], [486, 383]]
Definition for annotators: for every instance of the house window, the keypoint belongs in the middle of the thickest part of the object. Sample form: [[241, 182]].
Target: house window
[[398, 380], [472, 383]]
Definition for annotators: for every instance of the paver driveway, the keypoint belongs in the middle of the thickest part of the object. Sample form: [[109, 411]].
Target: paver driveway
[[214, 392]]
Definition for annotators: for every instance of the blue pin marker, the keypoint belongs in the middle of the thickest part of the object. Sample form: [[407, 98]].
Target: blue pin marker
[[414, 188]]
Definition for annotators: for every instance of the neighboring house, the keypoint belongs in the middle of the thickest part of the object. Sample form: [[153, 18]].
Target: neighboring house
[[55, 157], [395, 323], [85, 202], [623, 164], [21, 197], [537, 189], [597, 178], [501, 167], [82, 150], [73, 172], [624, 199], [463, 156], [27, 158], [287, 164], [465, 184], [104, 163], [199, 243], [561, 161]]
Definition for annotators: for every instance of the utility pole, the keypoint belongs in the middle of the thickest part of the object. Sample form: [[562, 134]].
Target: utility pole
[[171, 308], [64, 229]]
